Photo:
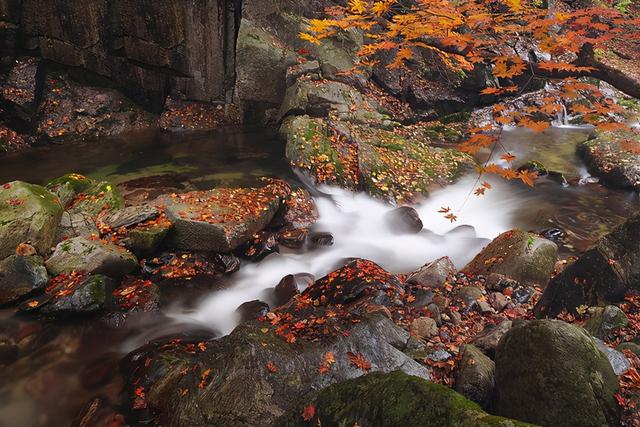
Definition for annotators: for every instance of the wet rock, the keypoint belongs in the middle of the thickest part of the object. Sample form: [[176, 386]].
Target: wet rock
[[28, 213], [286, 289], [22, 89], [433, 274], [475, 378], [607, 159], [248, 371], [488, 339], [319, 239], [76, 225], [19, 276], [223, 219], [82, 195], [126, 217], [424, 327], [499, 282], [260, 245], [294, 239], [89, 296], [404, 219], [556, 366], [227, 263], [416, 402], [91, 256], [252, 310], [98, 413], [554, 234], [542, 171], [298, 211], [522, 295], [605, 320], [619, 363], [135, 295], [605, 273], [522, 256]]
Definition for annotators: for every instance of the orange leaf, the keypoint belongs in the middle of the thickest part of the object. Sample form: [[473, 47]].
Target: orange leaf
[[308, 412]]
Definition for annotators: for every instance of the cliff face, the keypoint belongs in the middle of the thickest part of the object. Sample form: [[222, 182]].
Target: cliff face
[[146, 47]]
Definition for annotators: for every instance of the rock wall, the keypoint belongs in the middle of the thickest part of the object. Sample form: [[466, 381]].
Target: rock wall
[[148, 48]]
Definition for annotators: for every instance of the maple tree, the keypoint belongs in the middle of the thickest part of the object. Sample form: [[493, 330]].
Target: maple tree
[[521, 41]]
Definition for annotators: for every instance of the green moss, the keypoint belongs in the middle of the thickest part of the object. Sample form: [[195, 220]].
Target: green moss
[[460, 117], [396, 399]]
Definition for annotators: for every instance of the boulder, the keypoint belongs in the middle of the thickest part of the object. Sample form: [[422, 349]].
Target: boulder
[[252, 310], [82, 195], [27, 213], [223, 219], [424, 327], [21, 275], [146, 240], [404, 219], [607, 159], [603, 274], [328, 333], [475, 378], [433, 274], [91, 256], [126, 217], [393, 399], [381, 162], [319, 98], [522, 256], [549, 372]]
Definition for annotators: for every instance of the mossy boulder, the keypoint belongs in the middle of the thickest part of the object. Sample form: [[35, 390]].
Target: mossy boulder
[[393, 399], [80, 194], [551, 373], [603, 274], [519, 255], [27, 213], [222, 219], [475, 378], [386, 164], [609, 157], [91, 256], [145, 241], [21, 275]]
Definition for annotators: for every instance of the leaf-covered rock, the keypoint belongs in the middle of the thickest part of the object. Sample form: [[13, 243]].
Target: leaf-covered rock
[[614, 157], [80, 194]]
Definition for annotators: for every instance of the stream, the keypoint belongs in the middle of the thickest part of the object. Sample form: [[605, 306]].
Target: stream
[[71, 360]]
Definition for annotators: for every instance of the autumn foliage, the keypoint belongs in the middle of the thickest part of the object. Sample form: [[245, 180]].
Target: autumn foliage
[[520, 41]]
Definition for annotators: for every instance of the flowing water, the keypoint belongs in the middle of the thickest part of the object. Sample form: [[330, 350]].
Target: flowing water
[[70, 360]]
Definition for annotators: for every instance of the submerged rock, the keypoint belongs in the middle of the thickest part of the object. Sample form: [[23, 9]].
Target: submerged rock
[[91, 256], [604, 273], [21, 275], [28, 213], [549, 372], [522, 256], [393, 399], [221, 220], [404, 219]]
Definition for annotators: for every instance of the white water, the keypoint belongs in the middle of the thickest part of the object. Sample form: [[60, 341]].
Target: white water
[[359, 230]]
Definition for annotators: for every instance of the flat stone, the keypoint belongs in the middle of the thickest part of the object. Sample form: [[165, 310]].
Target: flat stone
[[91, 256]]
